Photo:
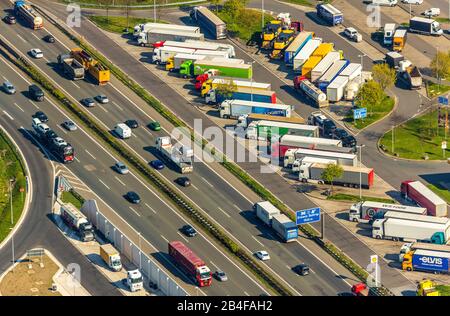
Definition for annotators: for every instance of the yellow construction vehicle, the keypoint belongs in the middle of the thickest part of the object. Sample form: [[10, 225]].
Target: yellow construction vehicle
[[281, 43], [427, 288], [270, 32], [96, 69]]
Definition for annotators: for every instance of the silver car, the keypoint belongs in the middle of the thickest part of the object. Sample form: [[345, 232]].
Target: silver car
[[121, 167], [8, 87], [69, 125], [221, 276]]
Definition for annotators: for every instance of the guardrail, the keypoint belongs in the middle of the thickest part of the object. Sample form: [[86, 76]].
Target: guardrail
[[139, 6]]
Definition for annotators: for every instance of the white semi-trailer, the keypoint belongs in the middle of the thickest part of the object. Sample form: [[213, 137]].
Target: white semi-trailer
[[367, 211], [180, 156]]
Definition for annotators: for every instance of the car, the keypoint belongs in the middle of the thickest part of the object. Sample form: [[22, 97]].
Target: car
[[49, 38], [154, 126], [221, 276], [133, 197], [69, 125], [88, 102], [301, 269], [121, 167], [59, 141], [8, 87], [183, 181], [189, 231], [101, 98], [412, 1], [157, 164], [352, 33], [36, 53], [51, 134], [10, 19], [262, 255], [339, 133], [41, 116], [132, 123], [432, 12], [349, 141]]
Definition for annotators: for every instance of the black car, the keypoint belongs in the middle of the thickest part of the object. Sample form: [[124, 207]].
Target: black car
[[41, 116], [49, 39], [88, 102], [10, 19], [133, 197], [328, 128], [339, 133], [132, 123], [349, 141], [183, 181], [301, 269], [189, 231], [51, 134]]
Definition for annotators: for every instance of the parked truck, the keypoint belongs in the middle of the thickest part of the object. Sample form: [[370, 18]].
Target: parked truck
[[209, 21], [215, 96], [162, 54], [365, 212], [324, 65], [420, 194], [157, 36], [425, 26], [111, 257], [71, 67], [393, 59], [411, 74], [399, 40], [353, 86], [308, 139], [195, 268], [388, 34], [330, 14], [351, 71], [351, 177], [281, 42], [203, 46], [335, 70], [214, 82], [236, 108], [297, 44], [174, 63], [344, 159], [145, 27], [180, 156], [303, 54], [315, 94], [266, 130], [229, 69], [307, 67], [28, 14], [97, 70], [412, 227], [286, 229], [335, 90], [134, 280], [412, 246], [77, 221], [427, 261], [246, 119], [224, 47]]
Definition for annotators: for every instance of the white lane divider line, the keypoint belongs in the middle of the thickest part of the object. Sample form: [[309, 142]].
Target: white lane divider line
[[237, 207], [257, 241], [118, 106], [22, 38], [120, 181], [87, 152], [226, 214], [7, 114], [181, 235], [167, 240], [103, 108], [64, 131], [195, 187], [150, 208], [246, 293], [215, 266], [208, 182], [75, 84], [36, 36], [104, 184], [78, 160], [34, 104], [139, 215], [18, 107], [45, 58]]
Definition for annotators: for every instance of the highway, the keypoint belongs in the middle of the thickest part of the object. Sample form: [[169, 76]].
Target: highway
[[223, 204]]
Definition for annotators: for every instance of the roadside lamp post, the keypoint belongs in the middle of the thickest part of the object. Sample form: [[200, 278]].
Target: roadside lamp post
[[360, 75], [262, 15], [12, 219], [140, 252], [360, 174]]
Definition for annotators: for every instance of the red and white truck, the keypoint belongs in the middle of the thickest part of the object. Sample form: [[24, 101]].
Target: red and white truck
[[417, 192], [190, 263]]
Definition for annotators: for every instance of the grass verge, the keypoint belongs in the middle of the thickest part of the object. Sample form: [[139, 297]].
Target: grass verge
[[72, 197], [118, 24], [416, 138], [375, 113], [355, 198], [433, 89], [444, 290], [442, 192], [305, 3], [11, 167]]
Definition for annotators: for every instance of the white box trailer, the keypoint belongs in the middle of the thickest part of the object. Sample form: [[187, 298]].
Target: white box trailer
[[263, 130], [352, 71], [336, 68], [324, 65], [411, 246], [221, 46], [211, 54], [345, 159], [411, 227], [139, 28], [285, 228], [178, 59], [155, 36], [367, 211], [236, 108], [265, 211], [161, 54], [306, 52], [388, 36], [335, 90]]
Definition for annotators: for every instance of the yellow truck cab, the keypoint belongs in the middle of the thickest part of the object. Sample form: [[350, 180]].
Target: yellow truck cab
[[270, 32], [281, 43], [427, 288], [399, 40]]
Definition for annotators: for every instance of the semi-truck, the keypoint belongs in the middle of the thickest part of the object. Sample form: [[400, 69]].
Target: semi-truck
[[330, 14], [351, 177], [134, 280], [194, 267], [307, 67], [335, 70], [229, 48], [399, 40], [71, 67], [297, 44], [335, 90], [427, 261], [226, 67], [304, 53], [215, 96], [162, 54], [308, 139], [174, 63], [281, 42], [354, 85], [411, 74], [203, 45], [324, 65], [344, 159], [411, 246], [311, 91], [246, 119], [209, 21], [266, 130], [393, 59], [286, 229], [351, 71], [28, 14], [236, 108], [157, 36], [97, 70], [420, 194], [111, 257], [180, 156], [145, 27], [215, 82], [230, 69], [367, 211], [425, 26], [77, 221], [388, 34], [412, 227]]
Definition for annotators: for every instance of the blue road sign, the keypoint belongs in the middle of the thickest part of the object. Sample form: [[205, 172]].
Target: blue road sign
[[443, 100], [359, 113], [308, 216]]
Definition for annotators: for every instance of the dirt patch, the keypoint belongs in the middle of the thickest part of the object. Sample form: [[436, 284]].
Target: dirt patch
[[30, 279]]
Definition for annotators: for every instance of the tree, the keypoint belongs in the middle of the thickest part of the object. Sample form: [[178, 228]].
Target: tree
[[332, 172], [384, 75], [226, 89], [215, 3], [233, 8], [440, 65], [369, 95]]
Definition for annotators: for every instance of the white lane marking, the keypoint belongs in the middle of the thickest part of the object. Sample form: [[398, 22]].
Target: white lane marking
[[237, 207], [150, 208], [217, 268], [226, 214], [34, 104], [75, 84], [45, 58], [139, 215], [246, 293], [134, 135], [35, 36], [103, 108], [120, 181], [104, 184], [4, 78], [181, 235], [207, 182], [15, 71], [87, 152], [65, 132], [18, 107], [118, 106], [7, 114], [258, 241], [195, 187], [167, 240], [22, 38], [78, 160]]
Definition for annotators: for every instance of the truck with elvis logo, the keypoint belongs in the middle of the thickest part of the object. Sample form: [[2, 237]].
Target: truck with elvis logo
[[427, 261]]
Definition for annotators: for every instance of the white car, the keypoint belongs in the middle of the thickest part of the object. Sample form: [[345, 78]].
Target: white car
[[432, 12], [352, 34], [412, 1], [36, 53], [262, 255]]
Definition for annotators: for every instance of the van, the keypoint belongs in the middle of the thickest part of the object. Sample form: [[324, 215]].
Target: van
[[36, 93], [391, 3], [122, 130]]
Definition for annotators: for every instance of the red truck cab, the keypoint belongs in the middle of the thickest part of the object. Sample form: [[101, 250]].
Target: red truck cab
[[297, 80], [360, 289], [158, 44]]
